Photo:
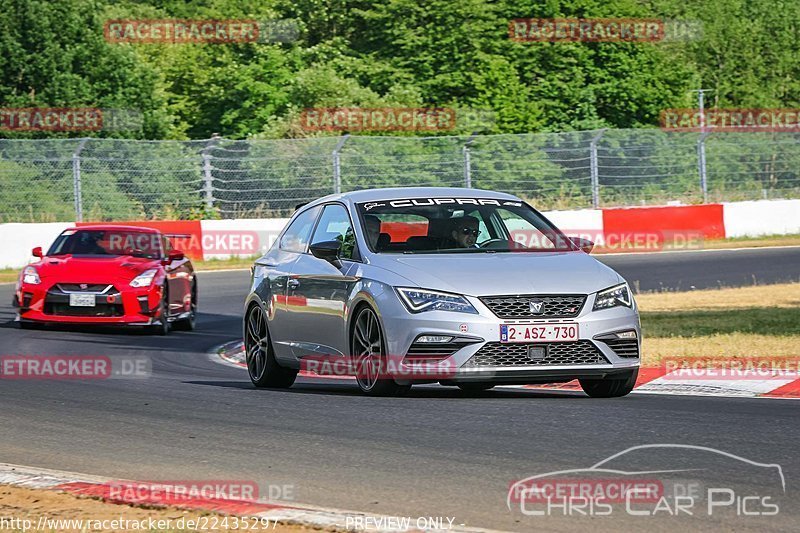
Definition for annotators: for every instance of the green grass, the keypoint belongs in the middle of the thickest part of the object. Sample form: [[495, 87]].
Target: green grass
[[751, 320], [221, 264], [709, 244], [721, 323]]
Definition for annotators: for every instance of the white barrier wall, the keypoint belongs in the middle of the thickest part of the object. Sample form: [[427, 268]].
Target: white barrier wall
[[222, 239], [583, 220], [762, 217], [584, 223], [240, 237], [17, 241]]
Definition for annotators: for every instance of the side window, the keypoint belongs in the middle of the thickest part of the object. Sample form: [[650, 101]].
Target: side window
[[296, 237], [334, 225]]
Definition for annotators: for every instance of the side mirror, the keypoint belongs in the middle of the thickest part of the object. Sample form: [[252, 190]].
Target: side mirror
[[173, 255], [327, 250], [37, 252], [584, 244]]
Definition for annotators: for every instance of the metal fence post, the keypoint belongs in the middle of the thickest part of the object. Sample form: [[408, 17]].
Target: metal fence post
[[77, 192], [701, 164], [468, 162], [208, 177], [337, 165], [594, 169]]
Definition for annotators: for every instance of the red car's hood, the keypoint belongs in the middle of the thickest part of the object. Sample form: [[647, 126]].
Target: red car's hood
[[93, 269]]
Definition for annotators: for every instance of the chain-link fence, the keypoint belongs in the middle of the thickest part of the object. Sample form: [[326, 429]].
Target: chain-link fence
[[112, 179]]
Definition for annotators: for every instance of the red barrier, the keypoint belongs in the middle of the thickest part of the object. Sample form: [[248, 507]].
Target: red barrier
[[707, 220], [401, 231], [190, 243]]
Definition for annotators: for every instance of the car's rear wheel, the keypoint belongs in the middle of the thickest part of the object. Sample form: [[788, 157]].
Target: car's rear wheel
[[163, 326], [189, 323], [369, 356], [610, 387], [264, 370]]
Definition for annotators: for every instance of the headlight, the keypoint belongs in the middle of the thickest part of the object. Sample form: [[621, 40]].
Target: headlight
[[145, 279], [613, 297], [420, 300], [30, 276]]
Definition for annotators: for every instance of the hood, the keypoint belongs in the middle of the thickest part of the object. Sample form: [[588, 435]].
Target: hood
[[486, 274], [93, 269]]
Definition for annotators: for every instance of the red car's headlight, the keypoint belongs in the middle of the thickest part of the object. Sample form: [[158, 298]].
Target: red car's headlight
[[30, 276], [145, 279]]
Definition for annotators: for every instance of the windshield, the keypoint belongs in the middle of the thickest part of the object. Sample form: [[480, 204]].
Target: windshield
[[457, 225], [108, 243]]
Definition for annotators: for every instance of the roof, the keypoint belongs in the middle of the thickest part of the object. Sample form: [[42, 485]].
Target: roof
[[118, 227], [396, 193]]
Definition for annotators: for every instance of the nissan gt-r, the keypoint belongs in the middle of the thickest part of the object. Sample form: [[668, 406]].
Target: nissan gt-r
[[109, 274]]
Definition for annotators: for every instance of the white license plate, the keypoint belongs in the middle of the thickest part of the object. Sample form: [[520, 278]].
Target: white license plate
[[562, 332], [81, 300]]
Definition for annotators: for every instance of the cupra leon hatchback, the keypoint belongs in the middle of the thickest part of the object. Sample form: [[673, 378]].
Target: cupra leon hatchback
[[462, 287]]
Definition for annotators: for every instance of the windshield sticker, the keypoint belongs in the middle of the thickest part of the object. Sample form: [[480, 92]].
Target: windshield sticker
[[422, 202]]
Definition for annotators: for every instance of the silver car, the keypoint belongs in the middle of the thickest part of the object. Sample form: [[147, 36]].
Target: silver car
[[463, 287]]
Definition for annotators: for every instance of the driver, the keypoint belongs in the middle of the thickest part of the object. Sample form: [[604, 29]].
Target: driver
[[465, 232]]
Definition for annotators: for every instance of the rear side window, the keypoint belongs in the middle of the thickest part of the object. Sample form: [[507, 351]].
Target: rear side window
[[297, 235]]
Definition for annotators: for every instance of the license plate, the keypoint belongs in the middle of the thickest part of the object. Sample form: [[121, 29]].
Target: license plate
[[81, 300], [562, 332]]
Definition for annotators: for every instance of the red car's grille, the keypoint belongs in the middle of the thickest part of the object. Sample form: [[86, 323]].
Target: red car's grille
[[86, 287], [57, 300], [62, 309]]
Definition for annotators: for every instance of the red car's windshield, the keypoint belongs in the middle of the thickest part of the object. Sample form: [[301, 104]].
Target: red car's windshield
[[108, 242]]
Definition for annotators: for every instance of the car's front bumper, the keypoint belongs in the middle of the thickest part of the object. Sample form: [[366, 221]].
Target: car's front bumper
[[118, 304], [402, 328]]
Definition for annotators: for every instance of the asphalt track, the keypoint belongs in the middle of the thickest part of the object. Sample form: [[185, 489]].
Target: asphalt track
[[433, 453]]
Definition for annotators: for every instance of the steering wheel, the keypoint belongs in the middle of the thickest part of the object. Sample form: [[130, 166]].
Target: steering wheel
[[134, 252], [491, 242]]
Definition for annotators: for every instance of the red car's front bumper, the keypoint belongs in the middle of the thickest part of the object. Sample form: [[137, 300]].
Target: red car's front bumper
[[114, 303]]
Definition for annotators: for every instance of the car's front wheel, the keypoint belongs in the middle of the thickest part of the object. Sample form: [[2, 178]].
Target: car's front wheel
[[163, 326], [610, 387], [264, 370], [369, 356]]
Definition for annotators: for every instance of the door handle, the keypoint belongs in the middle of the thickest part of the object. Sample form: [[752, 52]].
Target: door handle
[[292, 284]]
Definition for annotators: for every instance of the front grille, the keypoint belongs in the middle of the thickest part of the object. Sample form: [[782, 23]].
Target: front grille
[[57, 300], [556, 353], [84, 287], [558, 306], [64, 309], [624, 347]]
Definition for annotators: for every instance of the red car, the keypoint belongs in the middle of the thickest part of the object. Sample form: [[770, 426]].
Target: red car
[[104, 274]]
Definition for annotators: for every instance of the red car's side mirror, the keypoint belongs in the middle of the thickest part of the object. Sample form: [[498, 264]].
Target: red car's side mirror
[[37, 252], [173, 255]]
